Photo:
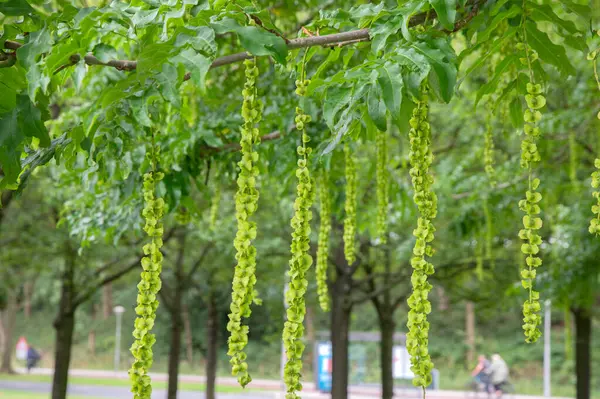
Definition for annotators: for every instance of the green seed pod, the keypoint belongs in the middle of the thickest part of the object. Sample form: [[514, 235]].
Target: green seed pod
[[350, 207], [300, 262], [421, 158], [382, 186], [488, 153], [246, 200], [595, 222], [531, 221], [147, 289], [323, 249]]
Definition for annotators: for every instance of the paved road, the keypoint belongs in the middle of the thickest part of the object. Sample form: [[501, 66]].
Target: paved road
[[97, 391]]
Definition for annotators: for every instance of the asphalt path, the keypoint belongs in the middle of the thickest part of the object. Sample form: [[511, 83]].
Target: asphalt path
[[97, 391]]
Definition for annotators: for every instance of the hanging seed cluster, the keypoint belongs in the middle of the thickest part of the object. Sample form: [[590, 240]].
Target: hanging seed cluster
[[246, 202], [595, 222], [382, 186], [301, 260], [488, 154], [350, 207], [530, 206], [148, 288], [323, 249], [421, 158]]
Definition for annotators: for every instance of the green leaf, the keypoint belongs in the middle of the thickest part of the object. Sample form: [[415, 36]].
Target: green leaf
[[446, 12], [201, 38], [441, 57], [582, 10], [376, 107], [492, 50], [336, 99], [30, 120], [196, 64], [11, 139], [417, 69], [390, 81], [547, 50], [152, 58], [516, 112], [492, 84], [15, 7], [492, 26], [254, 39], [543, 12]]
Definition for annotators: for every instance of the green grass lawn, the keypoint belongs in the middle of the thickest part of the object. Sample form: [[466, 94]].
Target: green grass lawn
[[188, 386], [26, 395]]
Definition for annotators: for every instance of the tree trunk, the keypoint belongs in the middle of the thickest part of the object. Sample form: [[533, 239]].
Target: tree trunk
[[28, 293], [64, 325], [583, 361], [212, 331], [175, 348], [568, 335], [387, 327], [176, 322], [107, 302], [470, 334], [187, 331], [8, 323], [92, 332], [340, 329], [309, 324]]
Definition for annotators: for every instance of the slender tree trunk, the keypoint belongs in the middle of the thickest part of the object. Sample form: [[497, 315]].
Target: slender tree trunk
[[175, 349], [8, 323], [107, 301], [568, 335], [176, 322], [387, 327], [187, 330], [28, 293], [212, 336], [309, 324], [64, 325], [340, 331], [92, 332], [583, 360], [470, 334]]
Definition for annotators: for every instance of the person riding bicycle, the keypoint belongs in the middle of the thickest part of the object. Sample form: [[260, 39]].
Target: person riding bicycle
[[498, 374], [481, 372]]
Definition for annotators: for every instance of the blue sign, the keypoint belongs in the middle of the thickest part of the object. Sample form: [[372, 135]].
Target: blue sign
[[324, 366]]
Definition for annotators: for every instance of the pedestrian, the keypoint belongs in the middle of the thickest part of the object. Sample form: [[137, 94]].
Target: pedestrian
[[498, 374], [33, 357]]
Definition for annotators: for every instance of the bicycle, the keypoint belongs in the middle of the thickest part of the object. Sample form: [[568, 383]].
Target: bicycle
[[477, 389]]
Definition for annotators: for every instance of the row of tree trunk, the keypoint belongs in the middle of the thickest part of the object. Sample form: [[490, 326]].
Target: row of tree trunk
[[340, 325]]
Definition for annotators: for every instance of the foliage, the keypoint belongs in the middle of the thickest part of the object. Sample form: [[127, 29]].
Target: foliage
[[76, 59]]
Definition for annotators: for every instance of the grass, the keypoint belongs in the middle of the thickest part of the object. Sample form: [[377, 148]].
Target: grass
[[26, 395], [119, 382]]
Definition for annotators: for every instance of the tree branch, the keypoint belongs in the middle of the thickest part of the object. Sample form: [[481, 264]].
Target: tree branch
[[343, 38], [108, 279], [198, 263]]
